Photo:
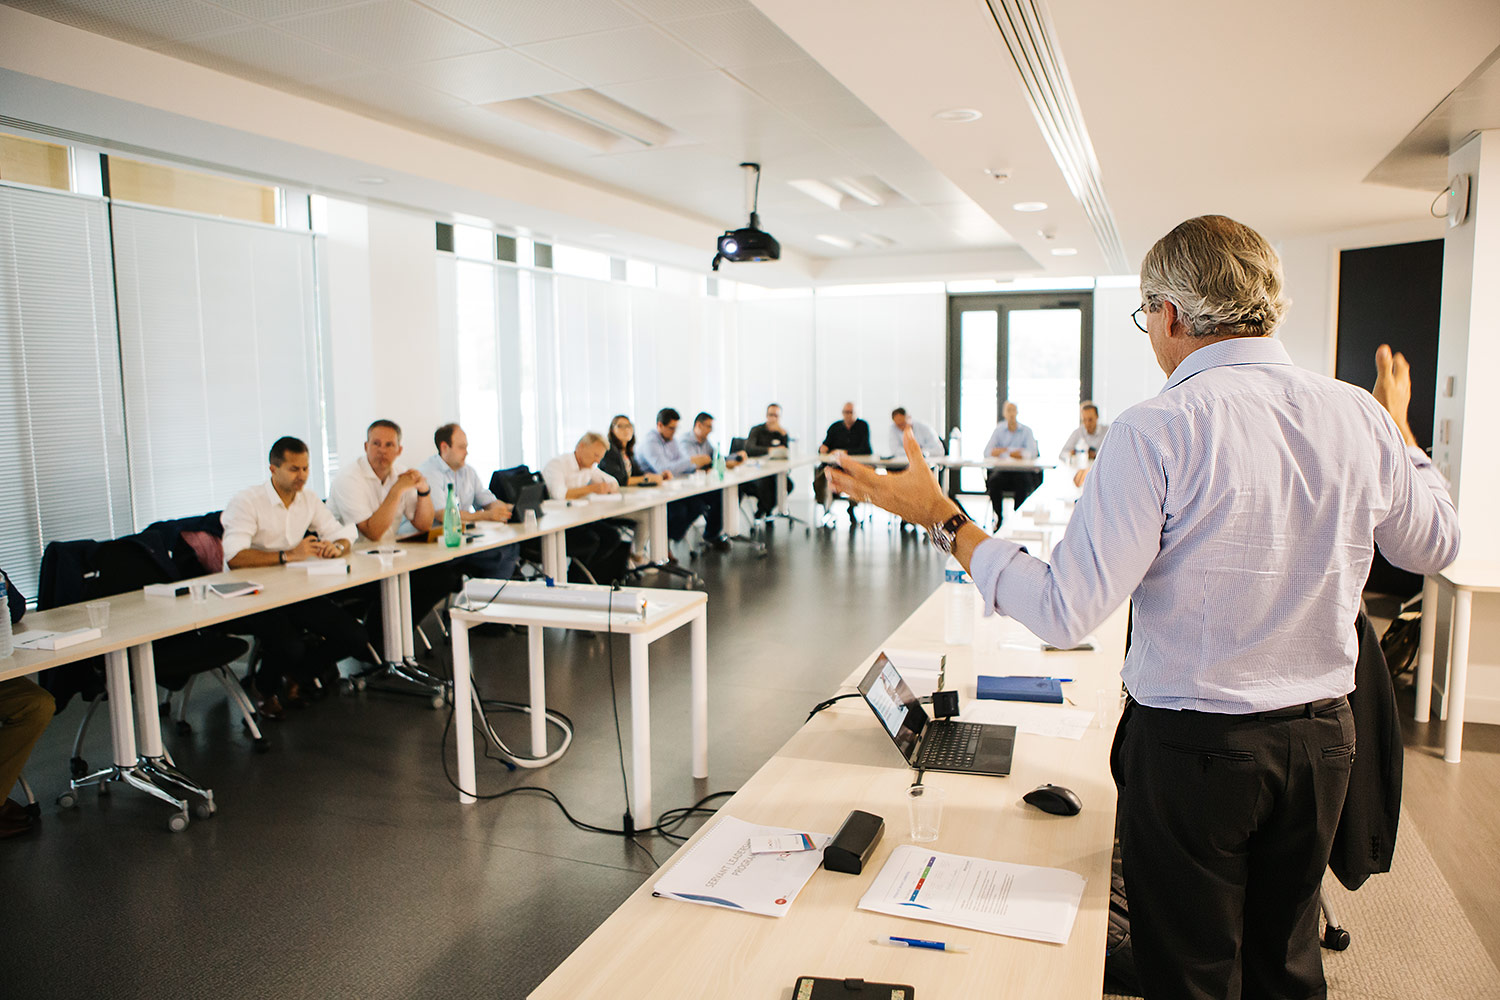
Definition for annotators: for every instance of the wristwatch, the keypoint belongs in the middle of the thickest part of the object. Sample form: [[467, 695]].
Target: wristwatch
[[943, 535], [427, 492]]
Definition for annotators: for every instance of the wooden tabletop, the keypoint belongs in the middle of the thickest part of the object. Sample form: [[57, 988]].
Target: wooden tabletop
[[842, 760]]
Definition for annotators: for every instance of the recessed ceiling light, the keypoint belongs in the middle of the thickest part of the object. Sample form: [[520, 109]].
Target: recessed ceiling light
[[370, 180], [1064, 251], [1030, 206], [958, 115], [837, 241]]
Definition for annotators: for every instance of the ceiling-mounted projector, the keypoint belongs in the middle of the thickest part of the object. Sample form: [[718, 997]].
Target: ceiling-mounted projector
[[752, 242]]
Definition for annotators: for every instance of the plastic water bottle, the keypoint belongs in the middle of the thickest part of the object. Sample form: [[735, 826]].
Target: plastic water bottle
[[453, 532], [955, 443], [958, 618], [7, 646]]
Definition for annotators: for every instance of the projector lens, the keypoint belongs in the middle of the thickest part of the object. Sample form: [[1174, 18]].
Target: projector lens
[[730, 246]]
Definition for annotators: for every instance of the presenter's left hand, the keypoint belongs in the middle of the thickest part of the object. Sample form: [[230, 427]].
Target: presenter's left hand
[[914, 494]]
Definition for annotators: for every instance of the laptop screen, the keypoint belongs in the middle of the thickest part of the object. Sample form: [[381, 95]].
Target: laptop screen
[[893, 704]]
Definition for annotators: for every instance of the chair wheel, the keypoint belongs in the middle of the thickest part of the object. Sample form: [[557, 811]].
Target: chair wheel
[[438, 700], [178, 822], [357, 683], [184, 727], [1335, 938], [78, 767], [260, 745], [204, 809], [68, 800]]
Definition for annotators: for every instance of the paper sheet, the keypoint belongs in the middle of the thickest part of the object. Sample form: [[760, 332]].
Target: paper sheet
[[721, 870], [1022, 901], [1038, 720], [40, 639], [918, 668]]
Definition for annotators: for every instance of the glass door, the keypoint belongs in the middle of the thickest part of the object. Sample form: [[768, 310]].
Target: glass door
[[1035, 350]]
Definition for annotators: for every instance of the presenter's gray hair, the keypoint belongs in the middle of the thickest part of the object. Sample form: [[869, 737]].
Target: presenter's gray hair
[[591, 438], [1222, 276]]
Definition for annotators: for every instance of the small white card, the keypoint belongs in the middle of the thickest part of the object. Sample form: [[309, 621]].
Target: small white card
[[788, 843]]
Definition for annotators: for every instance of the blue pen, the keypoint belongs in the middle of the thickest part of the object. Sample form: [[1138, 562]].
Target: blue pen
[[1062, 680], [906, 942]]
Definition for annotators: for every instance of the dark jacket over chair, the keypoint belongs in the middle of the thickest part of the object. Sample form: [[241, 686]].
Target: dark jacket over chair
[[1366, 837]]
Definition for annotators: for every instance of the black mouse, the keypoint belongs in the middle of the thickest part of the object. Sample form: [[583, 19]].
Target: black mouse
[[1054, 799]]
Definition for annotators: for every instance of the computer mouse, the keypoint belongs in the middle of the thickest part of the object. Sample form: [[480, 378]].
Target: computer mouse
[[1054, 799]]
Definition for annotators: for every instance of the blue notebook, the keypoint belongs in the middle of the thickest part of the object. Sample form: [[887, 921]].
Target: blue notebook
[[1046, 689]]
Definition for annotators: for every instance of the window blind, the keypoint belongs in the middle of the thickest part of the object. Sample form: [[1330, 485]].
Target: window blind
[[62, 467], [218, 342]]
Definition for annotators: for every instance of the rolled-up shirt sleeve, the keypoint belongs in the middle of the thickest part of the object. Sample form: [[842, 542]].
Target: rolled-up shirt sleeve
[[328, 527], [1111, 542], [1420, 533], [238, 520]]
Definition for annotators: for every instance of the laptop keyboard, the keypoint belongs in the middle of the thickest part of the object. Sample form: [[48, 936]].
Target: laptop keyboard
[[951, 745]]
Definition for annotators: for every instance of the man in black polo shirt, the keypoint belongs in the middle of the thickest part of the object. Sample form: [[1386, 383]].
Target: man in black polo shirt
[[850, 435]]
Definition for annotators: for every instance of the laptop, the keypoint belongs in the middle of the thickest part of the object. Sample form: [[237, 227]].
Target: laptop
[[528, 497], [933, 744]]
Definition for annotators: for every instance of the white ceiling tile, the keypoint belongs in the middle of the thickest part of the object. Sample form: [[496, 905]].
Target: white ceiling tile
[[266, 10], [485, 77], [666, 10], [826, 116], [387, 31], [517, 22], [670, 98], [387, 95], [621, 56], [138, 22], [261, 52], [799, 82], [736, 38]]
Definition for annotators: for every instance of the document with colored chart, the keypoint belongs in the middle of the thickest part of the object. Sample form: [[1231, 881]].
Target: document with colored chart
[[721, 869], [1020, 901]]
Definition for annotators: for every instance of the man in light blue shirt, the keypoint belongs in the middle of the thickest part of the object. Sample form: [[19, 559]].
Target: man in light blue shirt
[[1012, 440], [660, 452], [697, 443], [1239, 509], [927, 438], [449, 467]]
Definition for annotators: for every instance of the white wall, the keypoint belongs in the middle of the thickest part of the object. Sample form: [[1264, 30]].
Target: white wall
[[1125, 370], [774, 359], [344, 278]]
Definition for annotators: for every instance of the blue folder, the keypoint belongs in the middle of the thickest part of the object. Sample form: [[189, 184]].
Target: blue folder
[[1045, 689]]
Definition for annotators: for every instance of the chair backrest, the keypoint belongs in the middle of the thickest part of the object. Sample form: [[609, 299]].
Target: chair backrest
[[127, 564], [66, 573], [737, 445], [190, 544]]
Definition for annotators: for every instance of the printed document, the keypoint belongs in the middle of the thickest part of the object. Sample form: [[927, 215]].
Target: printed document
[[1038, 720], [1018, 901], [721, 870]]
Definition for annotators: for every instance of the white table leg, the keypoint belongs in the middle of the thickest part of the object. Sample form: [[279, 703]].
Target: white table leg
[[121, 725], [1458, 674], [408, 627], [640, 731], [538, 690], [661, 545], [732, 510], [781, 492], [143, 676], [1425, 647], [390, 618], [463, 728], [700, 693]]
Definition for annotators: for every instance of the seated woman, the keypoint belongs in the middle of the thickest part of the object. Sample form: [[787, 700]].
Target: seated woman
[[620, 463]]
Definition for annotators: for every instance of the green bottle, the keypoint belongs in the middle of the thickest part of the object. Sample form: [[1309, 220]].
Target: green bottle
[[453, 533]]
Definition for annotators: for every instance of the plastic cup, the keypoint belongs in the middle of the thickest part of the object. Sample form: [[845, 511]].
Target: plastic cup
[[387, 556], [98, 612], [530, 520], [197, 592], [924, 805]]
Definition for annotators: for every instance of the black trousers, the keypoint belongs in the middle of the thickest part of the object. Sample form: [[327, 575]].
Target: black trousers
[[428, 587], [764, 492], [1226, 822], [682, 513], [601, 548], [1020, 484], [302, 641]]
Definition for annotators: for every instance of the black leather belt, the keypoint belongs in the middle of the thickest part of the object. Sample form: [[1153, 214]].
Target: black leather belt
[[1305, 711]]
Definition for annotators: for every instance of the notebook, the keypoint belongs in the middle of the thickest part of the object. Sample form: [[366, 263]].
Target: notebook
[[1045, 689]]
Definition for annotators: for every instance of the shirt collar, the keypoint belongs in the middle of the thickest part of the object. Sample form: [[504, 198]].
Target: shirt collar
[[369, 471], [1235, 351], [275, 497]]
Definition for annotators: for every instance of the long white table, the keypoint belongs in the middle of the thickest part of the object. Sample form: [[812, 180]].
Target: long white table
[[842, 760], [1463, 579], [666, 611]]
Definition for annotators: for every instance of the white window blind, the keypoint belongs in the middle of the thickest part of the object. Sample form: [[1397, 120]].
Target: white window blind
[[62, 467], [218, 339]]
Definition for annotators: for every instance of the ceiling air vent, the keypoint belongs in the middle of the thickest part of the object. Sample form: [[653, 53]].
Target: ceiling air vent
[[589, 118]]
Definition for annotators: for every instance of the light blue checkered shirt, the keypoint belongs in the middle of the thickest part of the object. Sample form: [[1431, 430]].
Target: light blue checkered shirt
[[1239, 509]]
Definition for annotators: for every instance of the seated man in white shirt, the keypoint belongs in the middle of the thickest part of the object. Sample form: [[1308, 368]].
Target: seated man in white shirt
[[385, 504], [598, 546], [270, 525], [449, 467], [1086, 439], [926, 436]]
